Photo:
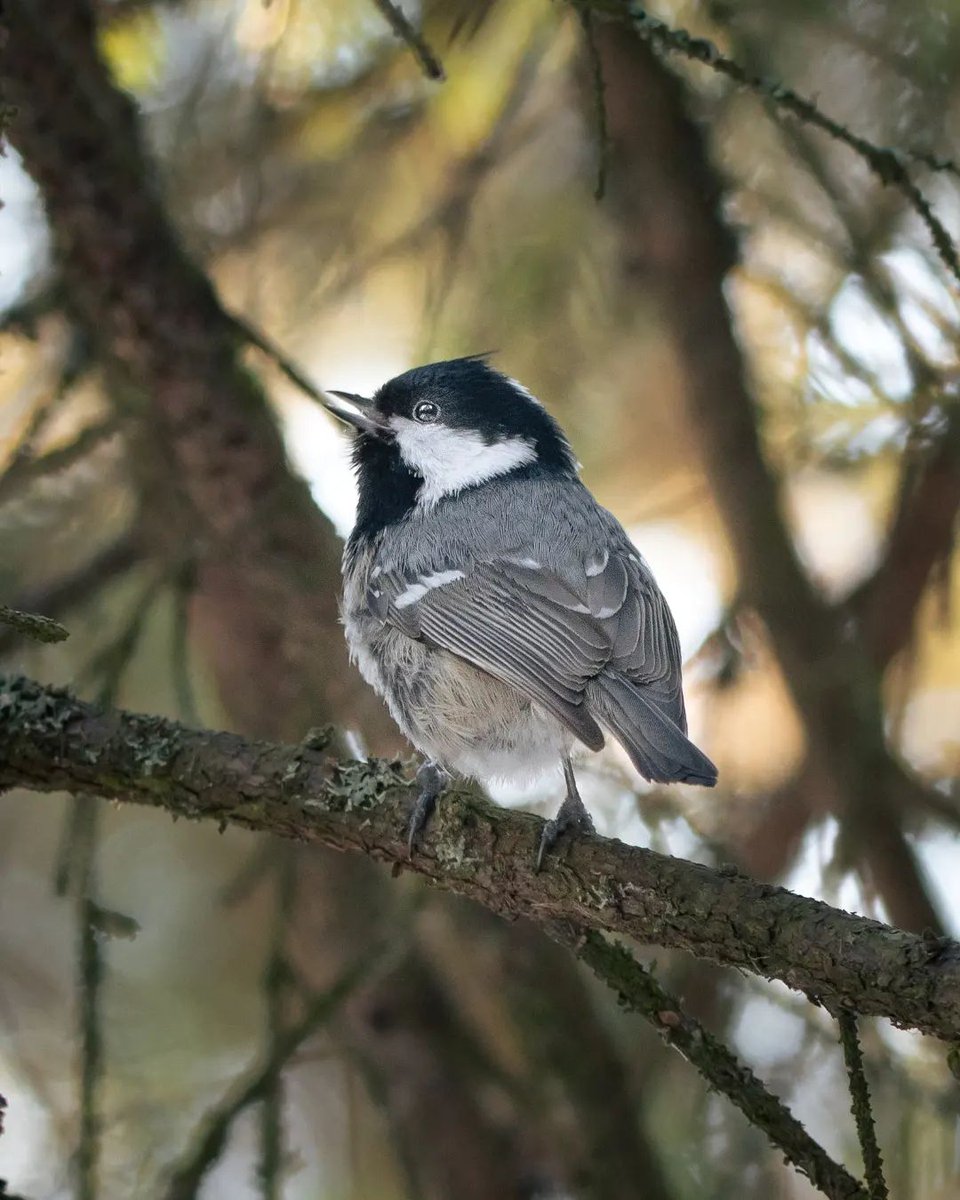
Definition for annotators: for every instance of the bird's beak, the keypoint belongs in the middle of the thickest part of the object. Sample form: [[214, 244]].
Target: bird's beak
[[359, 412]]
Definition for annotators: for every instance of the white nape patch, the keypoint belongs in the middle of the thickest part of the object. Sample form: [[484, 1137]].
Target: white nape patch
[[425, 584], [453, 459], [525, 392]]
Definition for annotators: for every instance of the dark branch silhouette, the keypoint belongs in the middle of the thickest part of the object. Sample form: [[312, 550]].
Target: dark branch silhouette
[[674, 239]]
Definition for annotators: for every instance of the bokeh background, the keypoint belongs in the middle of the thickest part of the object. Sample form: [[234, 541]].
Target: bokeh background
[[365, 218]]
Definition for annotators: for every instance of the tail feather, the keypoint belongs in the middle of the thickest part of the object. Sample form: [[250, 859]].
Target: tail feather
[[657, 747]]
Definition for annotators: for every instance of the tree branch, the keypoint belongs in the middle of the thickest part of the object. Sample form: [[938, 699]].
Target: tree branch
[[921, 535], [50, 741], [668, 200], [398, 21], [32, 625], [860, 1105], [186, 1176], [73, 590], [887, 164], [640, 992]]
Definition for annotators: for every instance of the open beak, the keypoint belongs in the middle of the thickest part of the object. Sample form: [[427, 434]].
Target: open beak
[[359, 412]]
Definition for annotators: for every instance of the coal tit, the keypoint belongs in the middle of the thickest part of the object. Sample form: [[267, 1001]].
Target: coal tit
[[489, 599]]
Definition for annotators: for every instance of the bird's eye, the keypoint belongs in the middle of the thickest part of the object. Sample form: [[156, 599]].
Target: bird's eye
[[425, 412]]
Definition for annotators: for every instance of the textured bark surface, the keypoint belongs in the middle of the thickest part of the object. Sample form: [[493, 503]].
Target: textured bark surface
[[51, 741]]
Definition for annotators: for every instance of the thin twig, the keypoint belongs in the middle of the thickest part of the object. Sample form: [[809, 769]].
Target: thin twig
[[90, 981], [25, 468], [887, 163], [940, 1100], [260, 341], [73, 590], [108, 665], [398, 22], [935, 162], [180, 646], [860, 1105], [186, 1177], [599, 104], [66, 857], [275, 987], [32, 625], [640, 992]]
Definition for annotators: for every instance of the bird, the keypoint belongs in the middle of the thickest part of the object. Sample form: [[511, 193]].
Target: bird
[[501, 613]]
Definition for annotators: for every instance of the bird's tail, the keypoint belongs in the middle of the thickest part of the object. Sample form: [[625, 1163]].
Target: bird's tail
[[657, 746]]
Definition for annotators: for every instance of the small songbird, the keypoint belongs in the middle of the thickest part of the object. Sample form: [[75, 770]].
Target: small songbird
[[489, 599]]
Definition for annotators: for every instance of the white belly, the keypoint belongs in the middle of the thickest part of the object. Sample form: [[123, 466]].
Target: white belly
[[454, 713]]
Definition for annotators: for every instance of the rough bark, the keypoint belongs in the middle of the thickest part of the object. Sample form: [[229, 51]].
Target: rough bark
[[50, 741]]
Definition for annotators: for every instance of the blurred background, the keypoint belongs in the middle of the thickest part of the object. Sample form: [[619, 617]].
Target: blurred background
[[744, 285]]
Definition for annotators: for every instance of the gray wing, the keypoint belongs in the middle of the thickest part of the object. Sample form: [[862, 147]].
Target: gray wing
[[549, 633], [646, 649], [487, 619], [638, 694]]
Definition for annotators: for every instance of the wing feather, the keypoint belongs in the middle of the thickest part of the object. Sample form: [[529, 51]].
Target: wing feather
[[549, 633], [499, 644]]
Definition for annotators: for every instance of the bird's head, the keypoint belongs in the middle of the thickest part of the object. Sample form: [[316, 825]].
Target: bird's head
[[438, 430]]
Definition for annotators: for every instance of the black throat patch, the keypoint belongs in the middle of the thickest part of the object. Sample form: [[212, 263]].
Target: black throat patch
[[387, 488]]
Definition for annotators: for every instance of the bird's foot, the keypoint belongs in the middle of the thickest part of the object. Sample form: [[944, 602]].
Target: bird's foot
[[431, 779], [572, 814]]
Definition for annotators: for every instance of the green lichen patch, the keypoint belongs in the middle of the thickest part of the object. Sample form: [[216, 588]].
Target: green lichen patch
[[32, 625], [360, 785], [30, 712], [154, 745]]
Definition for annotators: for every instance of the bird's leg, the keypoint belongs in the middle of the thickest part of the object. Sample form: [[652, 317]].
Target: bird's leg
[[431, 779], [572, 814]]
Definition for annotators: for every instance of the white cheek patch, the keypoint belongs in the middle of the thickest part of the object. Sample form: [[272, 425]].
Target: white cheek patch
[[453, 459]]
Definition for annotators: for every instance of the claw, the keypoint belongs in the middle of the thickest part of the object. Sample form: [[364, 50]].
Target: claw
[[572, 814], [432, 779]]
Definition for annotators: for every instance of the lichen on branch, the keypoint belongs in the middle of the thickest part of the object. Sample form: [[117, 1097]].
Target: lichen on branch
[[50, 741]]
